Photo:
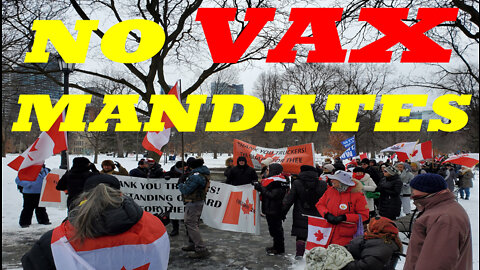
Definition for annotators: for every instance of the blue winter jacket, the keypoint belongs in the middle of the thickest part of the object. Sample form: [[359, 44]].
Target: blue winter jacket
[[33, 187], [194, 180]]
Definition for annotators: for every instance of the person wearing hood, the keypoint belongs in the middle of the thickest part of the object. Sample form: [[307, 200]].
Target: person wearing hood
[[441, 236], [105, 229], [31, 197], [304, 194], [378, 248], [450, 176], [390, 187], [74, 179], [242, 174], [343, 205], [368, 189], [465, 182], [273, 189], [108, 167], [194, 191]]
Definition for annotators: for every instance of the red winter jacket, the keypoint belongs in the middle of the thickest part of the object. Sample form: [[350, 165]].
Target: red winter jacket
[[350, 203]]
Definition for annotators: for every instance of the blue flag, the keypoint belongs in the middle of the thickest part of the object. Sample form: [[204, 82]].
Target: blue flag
[[350, 152], [349, 142]]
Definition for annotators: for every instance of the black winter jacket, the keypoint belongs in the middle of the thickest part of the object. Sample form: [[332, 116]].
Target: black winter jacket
[[111, 222], [242, 175], [370, 254], [73, 181], [305, 192], [155, 171], [272, 197], [389, 203]]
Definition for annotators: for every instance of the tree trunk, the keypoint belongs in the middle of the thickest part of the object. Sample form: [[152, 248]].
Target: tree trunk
[[119, 145]]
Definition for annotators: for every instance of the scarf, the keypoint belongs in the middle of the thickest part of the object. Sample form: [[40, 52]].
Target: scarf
[[383, 228]]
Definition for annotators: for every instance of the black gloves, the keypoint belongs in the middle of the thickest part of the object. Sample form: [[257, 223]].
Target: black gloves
[[334, 219], [117, 164], [92, 167], [257, 186]]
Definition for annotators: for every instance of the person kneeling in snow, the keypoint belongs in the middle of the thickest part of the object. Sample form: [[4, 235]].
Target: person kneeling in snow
[[104, 230]]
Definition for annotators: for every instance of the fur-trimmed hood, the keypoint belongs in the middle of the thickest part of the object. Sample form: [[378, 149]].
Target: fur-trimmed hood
[[358, 186]]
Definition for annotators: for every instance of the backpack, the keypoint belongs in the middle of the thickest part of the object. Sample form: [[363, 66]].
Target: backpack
[[207, 183]]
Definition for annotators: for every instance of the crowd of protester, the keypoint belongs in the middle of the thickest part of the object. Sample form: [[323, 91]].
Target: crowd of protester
[[361, 201]]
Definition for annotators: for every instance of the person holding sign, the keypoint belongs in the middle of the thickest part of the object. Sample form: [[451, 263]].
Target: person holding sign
[[342, 205], [194, 191], [31, 197], [242, 174]]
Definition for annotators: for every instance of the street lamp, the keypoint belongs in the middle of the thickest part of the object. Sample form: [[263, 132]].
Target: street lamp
[[67, 68]]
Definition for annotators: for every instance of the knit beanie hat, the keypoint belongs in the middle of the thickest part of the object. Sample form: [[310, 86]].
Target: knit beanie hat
[[328, 168], [358, 169], [106, 179], [179, 164], [275, 169], [195, 163], [267, 161], [365, 161], [81, 162], [428, 183], [189, 161], [141, 161], [391, 170]]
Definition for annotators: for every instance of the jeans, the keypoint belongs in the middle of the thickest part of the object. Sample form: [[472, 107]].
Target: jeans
[[467, 192]]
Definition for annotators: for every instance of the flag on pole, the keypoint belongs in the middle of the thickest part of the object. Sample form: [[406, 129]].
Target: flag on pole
[[319, 232], [49, 143], [351, 148], [421, 151], [155, 140]]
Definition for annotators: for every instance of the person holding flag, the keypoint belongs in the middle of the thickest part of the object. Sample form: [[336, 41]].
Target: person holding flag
[[344, 206], [31, 197]]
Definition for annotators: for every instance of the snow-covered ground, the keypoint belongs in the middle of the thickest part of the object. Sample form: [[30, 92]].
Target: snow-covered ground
[[12, 202]]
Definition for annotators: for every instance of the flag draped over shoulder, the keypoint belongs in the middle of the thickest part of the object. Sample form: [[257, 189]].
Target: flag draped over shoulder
[[49, 143], [155, 140], [319, 232], [144, 246]]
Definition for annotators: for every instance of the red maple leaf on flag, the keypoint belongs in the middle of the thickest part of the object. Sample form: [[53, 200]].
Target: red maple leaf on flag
[[319, 235], [247, 207], [33, 149], [143, 267], [414, 153]]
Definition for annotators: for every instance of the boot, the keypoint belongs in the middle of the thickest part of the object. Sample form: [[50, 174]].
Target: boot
[[189, 248], [174, 232], [300, 249], [200, 254]]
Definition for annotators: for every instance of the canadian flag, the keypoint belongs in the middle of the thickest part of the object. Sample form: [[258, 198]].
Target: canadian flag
[[422, 151], [49, 143], [319, 232], [144, 246], [155, 140]]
